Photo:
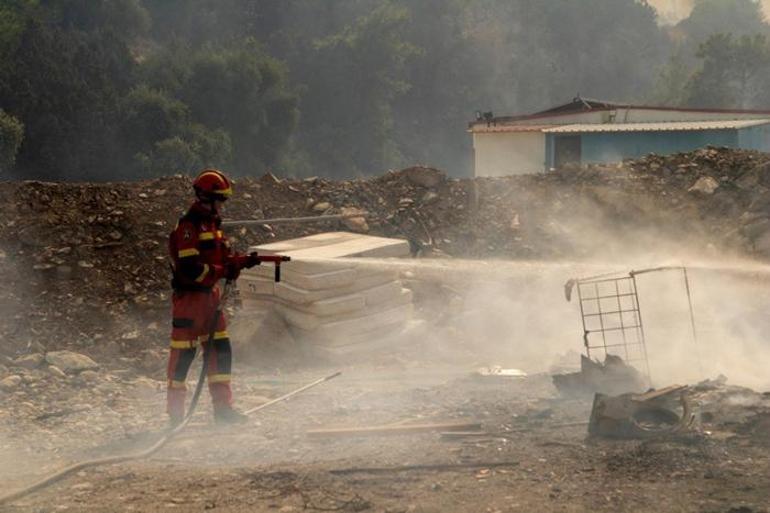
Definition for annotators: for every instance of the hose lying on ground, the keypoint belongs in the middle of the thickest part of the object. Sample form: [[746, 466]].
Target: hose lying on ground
[[5, 499]]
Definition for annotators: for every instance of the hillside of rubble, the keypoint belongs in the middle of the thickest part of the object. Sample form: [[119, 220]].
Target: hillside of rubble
[[84, 264]]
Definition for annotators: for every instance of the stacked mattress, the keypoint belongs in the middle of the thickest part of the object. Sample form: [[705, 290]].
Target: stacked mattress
[[327, 295]]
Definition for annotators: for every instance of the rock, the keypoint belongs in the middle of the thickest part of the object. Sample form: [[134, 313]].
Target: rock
[[144, 383], [82, 486], [423, 176], [356, 224], [757, 228], [89, 376], [704, 185], [29, 361], [10, 383], [269, 178], [70, 362], [32, 376], [429, 197], [748, 181], [762, 244], [56, 371], [322, 206], [515, 223]]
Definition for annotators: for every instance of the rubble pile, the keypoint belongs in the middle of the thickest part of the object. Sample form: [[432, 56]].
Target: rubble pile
[[85, 264]]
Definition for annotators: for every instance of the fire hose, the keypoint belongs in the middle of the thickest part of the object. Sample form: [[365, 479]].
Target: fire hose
[[76, 467]]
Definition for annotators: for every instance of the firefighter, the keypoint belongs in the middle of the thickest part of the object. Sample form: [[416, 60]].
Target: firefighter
[[201, 256]]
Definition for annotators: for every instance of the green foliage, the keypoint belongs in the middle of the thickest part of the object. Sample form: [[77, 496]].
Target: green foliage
[[159, 137], [197, 149], [734, 74], [129, 88], [709, 17], [351, 80], [64, 86], [11, 135], [148, 116], [13, 18], [670, 87], [244, 92], [127, 18]]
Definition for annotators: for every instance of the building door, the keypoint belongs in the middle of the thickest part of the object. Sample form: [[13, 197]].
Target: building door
[[566, 150]]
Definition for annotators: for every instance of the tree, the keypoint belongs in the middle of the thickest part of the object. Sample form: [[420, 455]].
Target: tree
[[64, 86], [709, 17], [196, 149], [148, 116], [734, 73], [158, 136], [670, 88], [244, 92], [351, 80], [13, 17], [443, 77], [127, 19], [11, 135]]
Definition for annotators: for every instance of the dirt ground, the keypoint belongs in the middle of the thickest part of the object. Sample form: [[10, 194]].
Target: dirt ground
[[85, 269], [534, 454]]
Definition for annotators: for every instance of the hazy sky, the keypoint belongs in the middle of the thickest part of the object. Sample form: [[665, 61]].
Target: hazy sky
[[671, 11]]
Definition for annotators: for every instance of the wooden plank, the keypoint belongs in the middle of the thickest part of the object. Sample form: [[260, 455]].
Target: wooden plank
[[393, 429]]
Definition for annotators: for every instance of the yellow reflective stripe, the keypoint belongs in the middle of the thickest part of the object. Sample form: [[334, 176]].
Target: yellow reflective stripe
[[184, 344], [188, 252], [206, 236], [218, 335], [176, 384], [219, 378], [203, 274]]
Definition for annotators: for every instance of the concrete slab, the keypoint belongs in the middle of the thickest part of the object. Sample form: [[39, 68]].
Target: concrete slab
[[323, 280], [337, 333], [249, 284], [383, 294], [337, 245], [334, 307], [298, 295], [348, 308]]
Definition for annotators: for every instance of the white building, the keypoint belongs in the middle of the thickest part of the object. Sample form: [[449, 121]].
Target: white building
[[591, 131]]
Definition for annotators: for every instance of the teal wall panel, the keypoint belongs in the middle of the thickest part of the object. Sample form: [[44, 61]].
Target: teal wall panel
[[755, 138], [615, 146]]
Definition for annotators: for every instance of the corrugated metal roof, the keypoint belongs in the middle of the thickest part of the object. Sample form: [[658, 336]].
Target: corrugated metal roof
[[668, 126], [511, 128]]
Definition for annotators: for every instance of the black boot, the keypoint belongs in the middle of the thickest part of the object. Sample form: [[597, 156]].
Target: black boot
[[174, 421], [229, 416]]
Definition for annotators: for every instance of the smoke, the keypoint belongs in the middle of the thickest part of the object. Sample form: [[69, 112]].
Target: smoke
[[515, 314]]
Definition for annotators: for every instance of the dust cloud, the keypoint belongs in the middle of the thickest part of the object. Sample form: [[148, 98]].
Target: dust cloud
[[515, 314]]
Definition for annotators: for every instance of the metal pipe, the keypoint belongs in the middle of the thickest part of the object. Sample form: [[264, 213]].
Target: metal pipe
[[692, 322], [289, 220], [295, 392]]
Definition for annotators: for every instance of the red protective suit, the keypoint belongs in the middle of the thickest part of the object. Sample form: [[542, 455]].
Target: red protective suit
[[200, 255]]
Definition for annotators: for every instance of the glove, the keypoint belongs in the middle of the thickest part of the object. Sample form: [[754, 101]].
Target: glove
[[232, 270], [251, 260]]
